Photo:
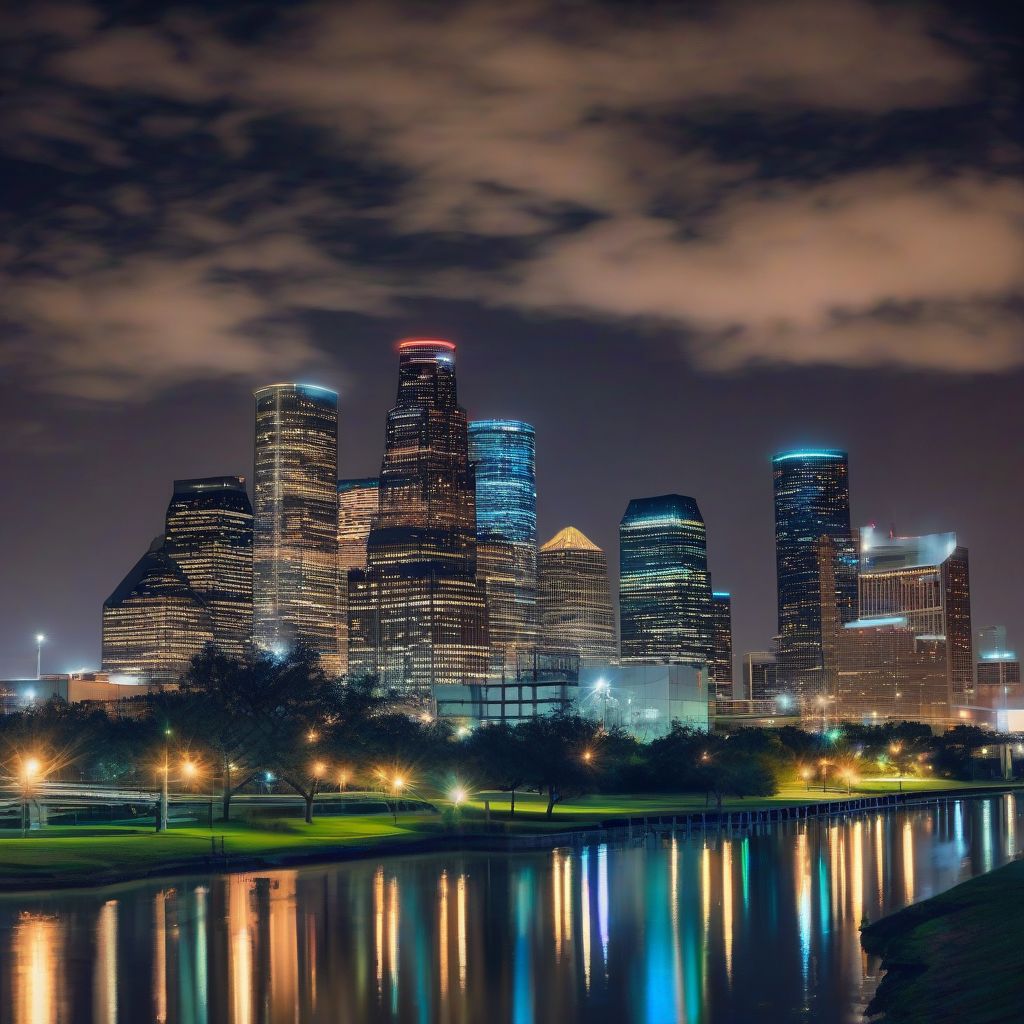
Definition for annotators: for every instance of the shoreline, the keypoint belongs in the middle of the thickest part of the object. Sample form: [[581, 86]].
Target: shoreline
[[471, 839], [957, 956]]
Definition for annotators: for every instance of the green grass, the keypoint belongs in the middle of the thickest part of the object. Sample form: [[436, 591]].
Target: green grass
[[956, 957], [94, 853]]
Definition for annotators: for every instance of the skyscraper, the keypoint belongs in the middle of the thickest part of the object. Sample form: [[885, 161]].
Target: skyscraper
[[209, 534], [418, 615], [503, 454], [664, 587], [153, 622], [295, 553], [574, 598], [720, 666], [812, 500], [925, 580], [358, 504]]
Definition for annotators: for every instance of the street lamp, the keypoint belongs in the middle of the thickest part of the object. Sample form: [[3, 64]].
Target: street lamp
[[823, 763], [397, 785], [40, 640], [806, 774], [29, 770]]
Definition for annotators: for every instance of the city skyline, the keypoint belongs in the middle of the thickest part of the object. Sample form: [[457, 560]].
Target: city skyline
[[669, 268], [752, 643]]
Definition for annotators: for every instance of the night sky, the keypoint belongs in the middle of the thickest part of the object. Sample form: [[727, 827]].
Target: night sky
[[676, 238]]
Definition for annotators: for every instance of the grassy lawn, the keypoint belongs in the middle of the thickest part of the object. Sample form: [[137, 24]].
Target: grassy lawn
[[97, 852], [956, 957]]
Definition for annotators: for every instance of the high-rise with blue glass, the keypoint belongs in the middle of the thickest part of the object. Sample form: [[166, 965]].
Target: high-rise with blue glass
[[812, 516], [665, 612], [503, 454]]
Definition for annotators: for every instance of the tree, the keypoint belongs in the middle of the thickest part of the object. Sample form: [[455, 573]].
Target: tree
[[499, 754], [562, 755]]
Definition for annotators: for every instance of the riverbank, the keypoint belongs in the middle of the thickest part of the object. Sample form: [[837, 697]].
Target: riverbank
[[79, 856], [956, 957]]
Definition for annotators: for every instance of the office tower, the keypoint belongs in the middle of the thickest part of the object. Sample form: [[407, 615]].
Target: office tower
[[926, 580], [503, 455], [153, 623], [886, 670], [664, 587], [574, 598], [990, 642], [720, 665], [209, 534], [295, 552], [812, 500], [418, 616], [759, 675], [358, 503]]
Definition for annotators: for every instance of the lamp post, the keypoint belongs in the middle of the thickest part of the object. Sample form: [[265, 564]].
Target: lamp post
[[29, 770], [397, 784], [40, 640], [162, 815], [823, 763]]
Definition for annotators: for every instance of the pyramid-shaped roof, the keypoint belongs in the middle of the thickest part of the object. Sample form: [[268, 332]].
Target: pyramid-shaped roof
[[570, 539]]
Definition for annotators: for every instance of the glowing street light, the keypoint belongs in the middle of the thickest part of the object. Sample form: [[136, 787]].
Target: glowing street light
[[588, 756], [458, 796], [30, 769], [40, 640], [805, 774]]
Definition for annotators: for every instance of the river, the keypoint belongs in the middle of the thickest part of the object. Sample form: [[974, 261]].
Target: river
[[759, 927]]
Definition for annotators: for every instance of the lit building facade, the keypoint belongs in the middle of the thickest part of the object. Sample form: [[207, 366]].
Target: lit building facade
[[358, 505], [418, 616], [886, 670], [925, 580], [812, 501], [153, 623], [209, 533], [574, 598], [665, 610], [295, 551], [720, 665], [760, 678], [503, 455]]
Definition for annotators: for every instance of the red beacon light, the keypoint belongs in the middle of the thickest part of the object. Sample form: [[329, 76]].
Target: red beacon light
[[407, 343]]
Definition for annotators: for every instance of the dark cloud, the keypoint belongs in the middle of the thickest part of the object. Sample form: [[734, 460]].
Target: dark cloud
[[564, 139]]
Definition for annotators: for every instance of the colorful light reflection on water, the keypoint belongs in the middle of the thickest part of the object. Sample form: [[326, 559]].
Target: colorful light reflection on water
[[716, 928]]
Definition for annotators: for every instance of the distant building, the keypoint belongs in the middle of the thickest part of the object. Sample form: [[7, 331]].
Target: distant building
[[154, 624], [503, 455], [812, 501], [574, 598], [295, 553], [645, 699], [115, 696], [665, 613], [209, 533], [418, 616], [887, 670], [540, 683], [998, 670], [926, 580], [760, 679], [358, 504], [720, 665]]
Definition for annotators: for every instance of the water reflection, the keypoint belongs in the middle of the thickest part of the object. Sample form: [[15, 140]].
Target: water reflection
[[705, 928]]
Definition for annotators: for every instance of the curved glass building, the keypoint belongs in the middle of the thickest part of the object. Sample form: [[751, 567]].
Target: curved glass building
[[295, 506], [503, 454], [812, 516], [665, 612]]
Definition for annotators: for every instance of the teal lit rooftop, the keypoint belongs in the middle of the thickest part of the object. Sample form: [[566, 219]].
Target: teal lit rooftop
[[810, 453]]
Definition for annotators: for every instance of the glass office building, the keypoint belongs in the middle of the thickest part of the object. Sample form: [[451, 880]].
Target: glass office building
[[926, 581], [503, 455], [153, 623], [295, 550], [665, 610], [574, 598], [720, 665], [812, 501], [209, 533], [418, 616], [358, 505]]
